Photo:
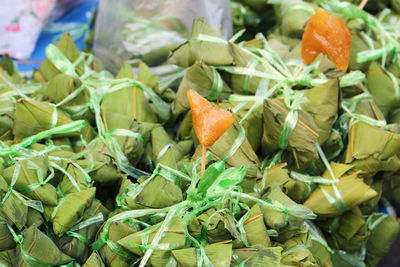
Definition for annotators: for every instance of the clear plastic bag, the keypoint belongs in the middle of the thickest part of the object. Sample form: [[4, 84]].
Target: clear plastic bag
[[148, 29]]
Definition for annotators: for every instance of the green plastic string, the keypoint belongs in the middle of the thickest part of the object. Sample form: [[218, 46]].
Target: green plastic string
[[217, 85], [86, 223], [59, 60], [159, 235], [292, 101], [33, 187], [204, 228], [338, 200], [246, 80], [69, 176], [15, 149], [208, 38], [236, 145], [27, 257], [164, 150], [362, 118], [35, 204], [305, 178], [296, 211], [315, 235], [16, 173]]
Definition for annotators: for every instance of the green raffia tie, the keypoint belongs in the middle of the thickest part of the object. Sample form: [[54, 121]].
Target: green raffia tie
[[217, 85], [293, 100], [27, 257]]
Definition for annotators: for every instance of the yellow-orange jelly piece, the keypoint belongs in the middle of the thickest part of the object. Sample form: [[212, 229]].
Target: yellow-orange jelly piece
[[209, 122], [328, 35]]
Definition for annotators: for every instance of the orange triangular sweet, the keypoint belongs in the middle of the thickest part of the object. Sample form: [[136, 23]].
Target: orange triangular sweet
[[328, 35], [209, 122]]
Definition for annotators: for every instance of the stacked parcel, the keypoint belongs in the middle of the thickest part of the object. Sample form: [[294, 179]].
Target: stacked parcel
[[114, 170]]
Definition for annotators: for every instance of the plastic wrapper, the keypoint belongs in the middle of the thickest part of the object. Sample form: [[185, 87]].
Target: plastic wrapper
[[120, 25]]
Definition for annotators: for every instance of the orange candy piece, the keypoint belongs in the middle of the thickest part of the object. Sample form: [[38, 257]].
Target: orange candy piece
[[209, 122], [328, 35]]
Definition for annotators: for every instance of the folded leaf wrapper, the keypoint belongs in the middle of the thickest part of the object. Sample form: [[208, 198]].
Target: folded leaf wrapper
[[70, 209], [76, 242], [218, 255], [129, 101], [94, 260], [303, 140], [32, 172], [205, 44], [244, 84], [323, 105], [212, 225], [349, 191], [382, 88], [168, 152], [203, 79], [244, 155], [47, 70], [372, 149], [255, 229], [6, 238], [384, 230], [253, 123], [172, 239], [37, 247], [113, 254], [12, 208], [32, 117], [8, 258], [265, 257], [276, 219]]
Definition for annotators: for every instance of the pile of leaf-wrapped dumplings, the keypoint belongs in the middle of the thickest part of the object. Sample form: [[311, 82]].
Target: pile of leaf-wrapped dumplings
[[104, 170]]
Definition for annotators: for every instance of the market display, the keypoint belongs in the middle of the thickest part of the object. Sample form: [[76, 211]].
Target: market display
[[275, 149]]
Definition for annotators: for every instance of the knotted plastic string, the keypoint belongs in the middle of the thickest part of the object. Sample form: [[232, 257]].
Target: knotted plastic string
[[86, 223], [92, 80], [27, 257], [37, 205], [42, 182], [107, 138], [293, 100], [10, 189], [69, 176]]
